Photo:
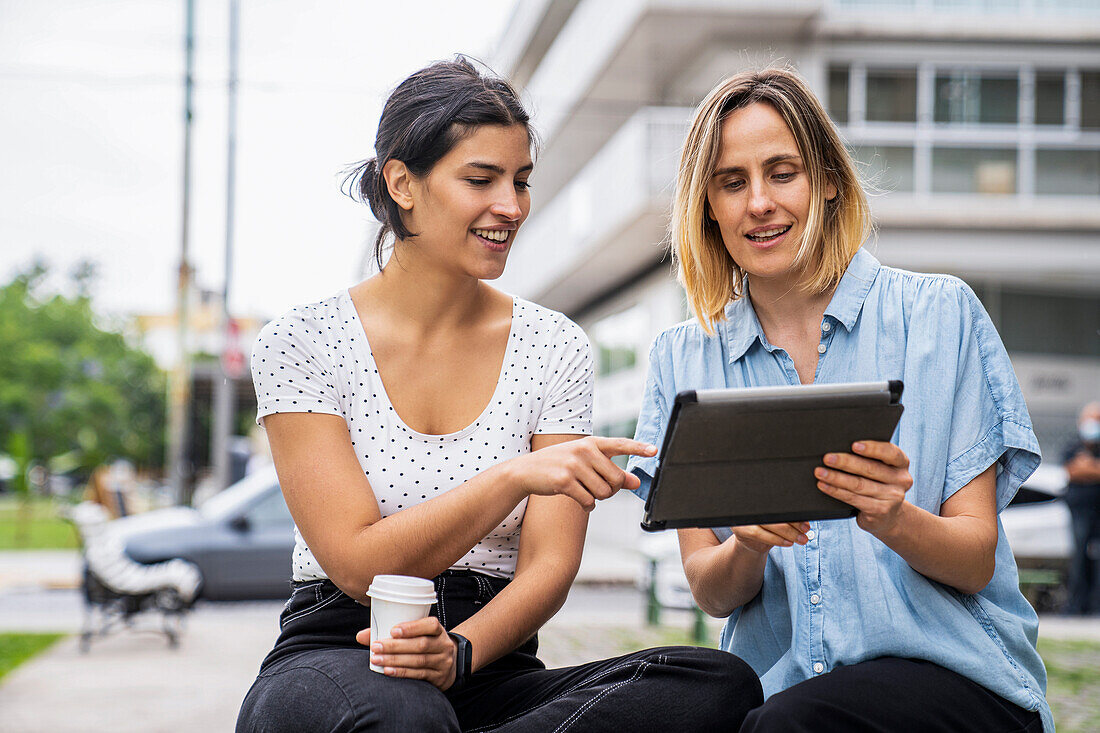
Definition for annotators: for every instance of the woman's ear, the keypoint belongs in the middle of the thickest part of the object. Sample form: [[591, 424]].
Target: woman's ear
[[398, 180], [830, 190]]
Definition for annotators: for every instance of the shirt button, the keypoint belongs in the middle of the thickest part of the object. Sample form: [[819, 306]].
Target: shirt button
[[810, 534], [826, 326], [821, 348], [815, 599], [818, 667]]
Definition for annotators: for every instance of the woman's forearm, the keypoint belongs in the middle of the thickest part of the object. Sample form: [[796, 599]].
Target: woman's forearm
[[956, 550], [518, 611], [442, 529], [725, 576]]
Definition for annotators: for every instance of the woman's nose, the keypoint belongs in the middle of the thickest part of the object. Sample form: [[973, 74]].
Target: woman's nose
[[506, 204], [760, 201]]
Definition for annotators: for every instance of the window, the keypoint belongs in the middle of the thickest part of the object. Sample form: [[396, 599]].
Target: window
[[886, 168], [1050, 323], [974, 170], [618, 338], [1050, 98], [1067, 172], [838, 94], [891, 95], [967, 98], [1090, 100]]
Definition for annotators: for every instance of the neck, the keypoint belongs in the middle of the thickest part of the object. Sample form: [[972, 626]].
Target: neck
[[424, 295], [783, 304]]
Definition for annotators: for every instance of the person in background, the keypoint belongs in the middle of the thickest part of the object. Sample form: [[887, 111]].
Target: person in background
[[907, 617], [1082, 464], [423, 423]]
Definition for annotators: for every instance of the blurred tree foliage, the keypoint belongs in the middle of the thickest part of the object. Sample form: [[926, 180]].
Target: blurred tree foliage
[[72, 395]]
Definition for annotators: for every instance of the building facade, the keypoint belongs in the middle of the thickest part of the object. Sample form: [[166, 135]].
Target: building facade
[[976, 122]]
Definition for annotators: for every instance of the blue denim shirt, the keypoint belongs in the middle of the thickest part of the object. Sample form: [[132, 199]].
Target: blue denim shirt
[[845, 597]]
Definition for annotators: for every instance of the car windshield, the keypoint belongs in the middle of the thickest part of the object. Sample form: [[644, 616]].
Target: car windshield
[[228, 502]]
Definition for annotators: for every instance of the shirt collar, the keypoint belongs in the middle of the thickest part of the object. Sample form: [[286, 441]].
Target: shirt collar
[[852, 291], [743, 327]]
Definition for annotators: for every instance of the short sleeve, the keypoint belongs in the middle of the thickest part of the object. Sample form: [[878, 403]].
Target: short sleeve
[[290, 369], [651, 420], [567, 384], [989, 418]]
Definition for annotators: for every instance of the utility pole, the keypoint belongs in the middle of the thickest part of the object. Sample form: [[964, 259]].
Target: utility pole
[[179, 396], [225, 388]]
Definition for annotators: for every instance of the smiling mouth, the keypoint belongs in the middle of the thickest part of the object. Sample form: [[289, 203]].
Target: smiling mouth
[[495, 240], [768, 234]]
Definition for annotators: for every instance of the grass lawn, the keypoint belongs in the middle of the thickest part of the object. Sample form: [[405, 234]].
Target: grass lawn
[[45, 531], [1073, 683], [18, 648]]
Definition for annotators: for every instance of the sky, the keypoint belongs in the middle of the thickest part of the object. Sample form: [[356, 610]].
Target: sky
[[91, 138]]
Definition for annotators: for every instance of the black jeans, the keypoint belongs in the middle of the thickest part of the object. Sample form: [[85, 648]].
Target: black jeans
[[890, 695], [317, 679]]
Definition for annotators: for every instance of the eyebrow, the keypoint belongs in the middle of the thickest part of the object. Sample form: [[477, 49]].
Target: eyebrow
[[769, 162], [498, 169]]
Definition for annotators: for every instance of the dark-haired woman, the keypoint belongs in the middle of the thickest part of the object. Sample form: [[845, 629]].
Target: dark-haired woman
[[423, 423]]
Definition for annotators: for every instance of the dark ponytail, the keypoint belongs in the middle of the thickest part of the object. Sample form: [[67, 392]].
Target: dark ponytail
[[424, 118]]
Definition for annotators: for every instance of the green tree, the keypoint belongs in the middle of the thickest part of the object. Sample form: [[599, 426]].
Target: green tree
[[72, 394]]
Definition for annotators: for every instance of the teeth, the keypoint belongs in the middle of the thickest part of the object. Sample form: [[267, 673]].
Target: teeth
[[768, 234], [494, 235]]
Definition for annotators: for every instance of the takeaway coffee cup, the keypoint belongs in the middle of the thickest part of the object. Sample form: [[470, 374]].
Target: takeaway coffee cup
[[395, 599]]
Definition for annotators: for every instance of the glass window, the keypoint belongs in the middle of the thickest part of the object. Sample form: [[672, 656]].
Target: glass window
[[1050, 323], [970, 170], [618, 339], [838, 94], [965, 97], [886, 168], [999, 100], [270, 511], [1090, 100], [892, 95], [1050, 98], [1067, 172]]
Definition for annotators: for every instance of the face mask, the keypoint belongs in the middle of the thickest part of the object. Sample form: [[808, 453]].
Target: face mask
[[1090, 431]]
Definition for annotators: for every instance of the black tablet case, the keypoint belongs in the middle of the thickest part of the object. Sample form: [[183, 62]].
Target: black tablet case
[[731, 457]]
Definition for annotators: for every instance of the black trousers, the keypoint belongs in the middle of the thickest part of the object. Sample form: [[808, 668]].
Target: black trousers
[[890, 695], [1084, 570], [317, 679]]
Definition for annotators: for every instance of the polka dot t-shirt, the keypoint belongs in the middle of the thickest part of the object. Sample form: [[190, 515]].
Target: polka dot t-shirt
[[316, 359]]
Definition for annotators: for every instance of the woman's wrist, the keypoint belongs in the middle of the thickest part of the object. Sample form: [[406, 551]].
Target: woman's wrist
[[509, 477]]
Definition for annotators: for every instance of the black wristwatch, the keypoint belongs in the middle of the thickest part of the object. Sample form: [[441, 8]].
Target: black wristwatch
[[464, 659]]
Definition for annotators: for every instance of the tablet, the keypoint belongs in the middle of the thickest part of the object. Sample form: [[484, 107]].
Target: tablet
[[747, 456]]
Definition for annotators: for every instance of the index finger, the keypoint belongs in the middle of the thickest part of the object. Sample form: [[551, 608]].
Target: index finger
[[427, 626], [624, 447], [877, 450]]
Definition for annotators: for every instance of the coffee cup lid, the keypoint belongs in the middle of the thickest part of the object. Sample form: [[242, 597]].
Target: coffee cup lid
[[402, 589]]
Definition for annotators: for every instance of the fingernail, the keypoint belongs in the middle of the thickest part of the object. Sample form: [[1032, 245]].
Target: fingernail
[[821, 473], [859, 446], [395, 632], [830, 458], [375, 659], [376, 648]]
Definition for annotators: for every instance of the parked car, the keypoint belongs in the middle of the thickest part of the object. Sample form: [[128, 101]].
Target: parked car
[[240, 539], [1037, 525]]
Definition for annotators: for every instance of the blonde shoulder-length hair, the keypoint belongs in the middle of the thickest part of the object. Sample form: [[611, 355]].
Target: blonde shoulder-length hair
[[835, 228]]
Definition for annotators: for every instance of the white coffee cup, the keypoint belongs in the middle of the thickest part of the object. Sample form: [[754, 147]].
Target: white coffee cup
[[395, 599]]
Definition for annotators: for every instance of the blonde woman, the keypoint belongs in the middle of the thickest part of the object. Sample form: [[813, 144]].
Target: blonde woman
[[908, 616]]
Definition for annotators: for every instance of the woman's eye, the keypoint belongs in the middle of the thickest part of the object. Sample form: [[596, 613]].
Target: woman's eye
[[523, 185], [785, 176], [478, 181], [734, 185]]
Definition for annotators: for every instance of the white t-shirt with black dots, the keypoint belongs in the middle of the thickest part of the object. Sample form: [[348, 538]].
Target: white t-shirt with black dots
[[316, 359]]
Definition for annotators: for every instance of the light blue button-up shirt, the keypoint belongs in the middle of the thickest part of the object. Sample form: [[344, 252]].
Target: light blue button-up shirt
[[845, 597]]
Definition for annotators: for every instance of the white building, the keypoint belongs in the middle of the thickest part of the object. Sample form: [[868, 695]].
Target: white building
[[979, 119]]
